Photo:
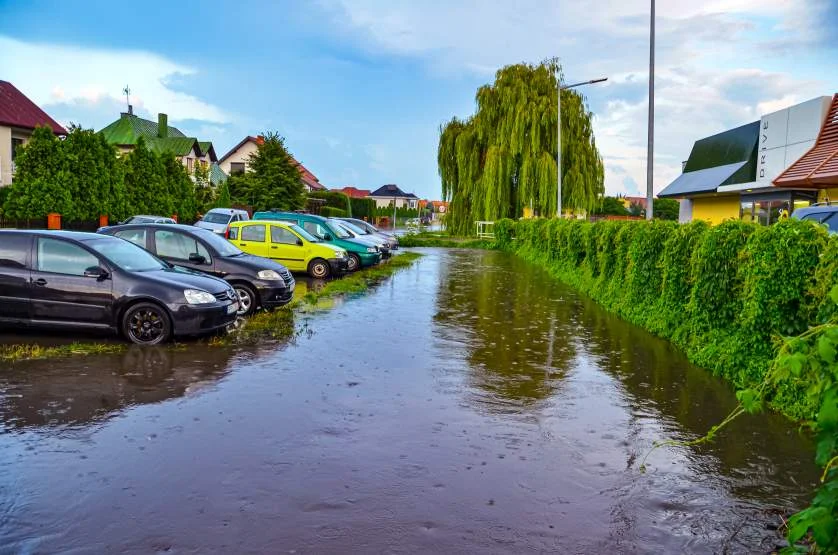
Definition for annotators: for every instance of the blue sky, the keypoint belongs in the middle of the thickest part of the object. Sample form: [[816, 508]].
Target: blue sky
[[360, 87]]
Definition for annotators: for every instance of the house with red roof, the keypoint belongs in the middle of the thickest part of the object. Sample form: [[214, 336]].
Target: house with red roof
[[238, 160], [19, 116], [353, 192]]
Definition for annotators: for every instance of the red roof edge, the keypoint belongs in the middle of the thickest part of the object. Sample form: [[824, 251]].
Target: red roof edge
[[16, 110]]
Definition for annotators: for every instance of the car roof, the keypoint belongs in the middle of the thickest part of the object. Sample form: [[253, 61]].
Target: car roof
[[151, 216], [257, 222], [74, 235], [314, 217], [166, 227], [227, 211], [816, 208]]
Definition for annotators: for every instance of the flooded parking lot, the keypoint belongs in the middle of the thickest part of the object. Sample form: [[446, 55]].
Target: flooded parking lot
[[468, 404]]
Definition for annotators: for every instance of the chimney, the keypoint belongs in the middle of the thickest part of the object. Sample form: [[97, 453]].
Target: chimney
[[162, 126], [130, 110], [683, 165]]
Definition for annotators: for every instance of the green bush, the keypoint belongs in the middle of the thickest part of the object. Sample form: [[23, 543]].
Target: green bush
[[331, 212], [362, 208]]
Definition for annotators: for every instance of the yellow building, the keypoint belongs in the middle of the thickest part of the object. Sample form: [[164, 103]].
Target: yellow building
[[760, 171]]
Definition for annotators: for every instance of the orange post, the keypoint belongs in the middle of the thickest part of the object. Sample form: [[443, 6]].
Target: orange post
[[103, 220], [53, 221], [174, 217]]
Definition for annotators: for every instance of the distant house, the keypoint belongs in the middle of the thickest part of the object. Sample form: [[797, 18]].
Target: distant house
[[628, 201], [19, 116], [388, 195], [238, 160], [161, 137], [353, 192]]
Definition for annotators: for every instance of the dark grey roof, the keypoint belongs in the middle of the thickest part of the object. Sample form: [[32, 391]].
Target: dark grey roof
[[391, 191], [701, 181]]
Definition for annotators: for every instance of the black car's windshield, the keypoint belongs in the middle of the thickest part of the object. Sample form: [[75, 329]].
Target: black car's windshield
[[217, 218], [221, 245], [127, 255], [304, 234], [339, 232]]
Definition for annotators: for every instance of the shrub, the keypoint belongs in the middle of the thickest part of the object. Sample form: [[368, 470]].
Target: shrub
[[331, 212]]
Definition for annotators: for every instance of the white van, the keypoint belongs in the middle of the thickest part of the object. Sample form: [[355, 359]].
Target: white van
[[217, 219]]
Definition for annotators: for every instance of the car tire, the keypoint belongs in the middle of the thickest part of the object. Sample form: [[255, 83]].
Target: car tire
[[247, 299], [319, 268], [146, 324], [354, 263]]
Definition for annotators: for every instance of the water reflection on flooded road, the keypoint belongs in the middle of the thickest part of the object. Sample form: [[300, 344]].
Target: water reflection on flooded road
[[469, 404]]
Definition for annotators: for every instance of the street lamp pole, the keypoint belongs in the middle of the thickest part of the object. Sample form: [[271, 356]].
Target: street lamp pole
[[650, 149], [559, 136]]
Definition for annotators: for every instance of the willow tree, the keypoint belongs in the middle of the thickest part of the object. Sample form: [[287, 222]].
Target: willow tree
[[502, 159]]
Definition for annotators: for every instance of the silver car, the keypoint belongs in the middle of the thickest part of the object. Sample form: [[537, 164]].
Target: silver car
[[217, 219], [368, 229]]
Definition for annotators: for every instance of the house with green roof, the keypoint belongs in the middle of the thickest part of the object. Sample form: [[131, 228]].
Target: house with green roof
[[161, 137]]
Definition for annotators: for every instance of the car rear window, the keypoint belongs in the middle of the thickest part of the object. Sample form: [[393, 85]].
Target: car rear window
[[14, 249], [217, 218]]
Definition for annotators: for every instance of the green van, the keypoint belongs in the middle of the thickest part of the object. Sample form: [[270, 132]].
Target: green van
[[361, 253]]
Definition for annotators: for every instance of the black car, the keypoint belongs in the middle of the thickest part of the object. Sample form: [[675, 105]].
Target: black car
[[65, 279], [258, 281]]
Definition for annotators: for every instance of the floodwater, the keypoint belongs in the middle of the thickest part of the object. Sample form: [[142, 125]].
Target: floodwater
[[470, 404]]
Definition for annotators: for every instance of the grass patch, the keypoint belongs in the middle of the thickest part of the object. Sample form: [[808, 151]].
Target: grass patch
[[428, 239], [16, 353]]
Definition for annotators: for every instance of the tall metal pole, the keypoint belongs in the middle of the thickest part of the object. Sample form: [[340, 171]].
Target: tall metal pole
[[650, 150], [559, 149], [559, 88]]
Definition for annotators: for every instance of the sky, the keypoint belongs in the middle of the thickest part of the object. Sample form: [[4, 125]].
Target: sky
[[359, 88]]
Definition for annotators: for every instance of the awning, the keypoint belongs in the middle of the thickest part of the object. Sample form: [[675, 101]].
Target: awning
[[701, 181], [819, 166]]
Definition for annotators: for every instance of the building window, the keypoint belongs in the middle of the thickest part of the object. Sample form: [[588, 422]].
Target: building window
[[190, 165], [236, 167], [16, 143]]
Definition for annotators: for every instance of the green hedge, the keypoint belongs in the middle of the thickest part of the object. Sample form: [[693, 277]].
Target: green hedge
[[723, 294], [331, 212], [334, 199], [362, 208]]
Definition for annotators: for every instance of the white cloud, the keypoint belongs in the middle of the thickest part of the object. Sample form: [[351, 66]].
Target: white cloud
[[720, 63], [53, 74]]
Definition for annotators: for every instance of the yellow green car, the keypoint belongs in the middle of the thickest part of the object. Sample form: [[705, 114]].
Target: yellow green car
[[290, 245]]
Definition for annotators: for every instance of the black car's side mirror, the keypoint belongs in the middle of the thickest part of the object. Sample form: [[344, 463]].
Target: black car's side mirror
[[299, 242], [96, 272], [196, 258], [327, 237]]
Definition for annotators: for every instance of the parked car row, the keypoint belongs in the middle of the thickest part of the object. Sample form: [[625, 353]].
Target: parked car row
[[152, 279]]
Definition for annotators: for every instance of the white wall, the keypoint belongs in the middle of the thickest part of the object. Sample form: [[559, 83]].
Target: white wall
[[685, 210], [6, 135], [5, 155], [241, 155], [786, 135]]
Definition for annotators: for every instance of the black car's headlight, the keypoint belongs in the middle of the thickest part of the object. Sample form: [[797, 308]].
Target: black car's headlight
[[196, 296]]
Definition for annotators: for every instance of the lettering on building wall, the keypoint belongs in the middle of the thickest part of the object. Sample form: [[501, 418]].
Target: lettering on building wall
[[764, 141]]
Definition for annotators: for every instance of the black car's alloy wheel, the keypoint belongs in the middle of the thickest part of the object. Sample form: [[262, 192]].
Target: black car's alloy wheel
[[319, 268], [146, 324], [354, 262], [247, 299]]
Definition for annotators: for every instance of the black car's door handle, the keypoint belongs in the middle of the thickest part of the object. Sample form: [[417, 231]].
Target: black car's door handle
[[274, 247], [40, 282]]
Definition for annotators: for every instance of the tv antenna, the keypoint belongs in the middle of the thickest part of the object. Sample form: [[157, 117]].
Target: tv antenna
[[127, 92]]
